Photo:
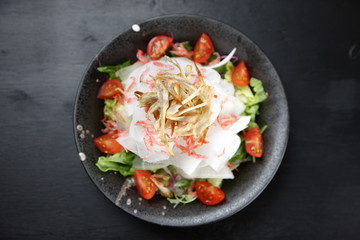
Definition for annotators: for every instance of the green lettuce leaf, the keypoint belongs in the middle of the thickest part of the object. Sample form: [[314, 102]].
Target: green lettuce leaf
[[111, 70], [245, 94], [212, 57], [229, 66], [240, 154], [252, 110], [253, 106], [106, 166], [260, 94], [183, 183], [217, 182], [123, 157], [119, 162], [252, 124], [187, 46]]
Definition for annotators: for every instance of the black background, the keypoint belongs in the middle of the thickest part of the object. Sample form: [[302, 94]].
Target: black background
[[44, 49]]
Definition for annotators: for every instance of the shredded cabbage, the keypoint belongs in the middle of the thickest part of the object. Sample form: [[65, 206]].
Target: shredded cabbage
[[109, 108], [185, 198], [116, 112]]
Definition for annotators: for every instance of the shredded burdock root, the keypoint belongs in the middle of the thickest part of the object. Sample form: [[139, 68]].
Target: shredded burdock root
[[179, 105]]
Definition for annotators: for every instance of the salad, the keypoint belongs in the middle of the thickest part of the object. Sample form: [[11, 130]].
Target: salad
[[180, 120]]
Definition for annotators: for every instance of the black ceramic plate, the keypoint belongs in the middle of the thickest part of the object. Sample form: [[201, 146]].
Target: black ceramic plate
[[251, 179]]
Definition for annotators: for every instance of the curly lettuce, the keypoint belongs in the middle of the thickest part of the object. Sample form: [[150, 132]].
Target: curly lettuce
[[111, 70], [258, 89]]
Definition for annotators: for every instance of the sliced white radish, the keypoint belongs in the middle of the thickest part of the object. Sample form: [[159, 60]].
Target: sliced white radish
[[206, 161], [232, 105], [125, 72], [208, 172], [221, 146], [240, 124]]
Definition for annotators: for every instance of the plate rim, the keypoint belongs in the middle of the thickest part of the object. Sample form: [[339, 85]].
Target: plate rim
[[235, 209]]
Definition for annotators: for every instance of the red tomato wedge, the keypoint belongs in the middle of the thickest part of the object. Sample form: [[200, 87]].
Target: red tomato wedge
[[254, 142], [110, 88], [158, 46], [144, 184], [107, 143], [240, 75], [208, 193], [203, 49]]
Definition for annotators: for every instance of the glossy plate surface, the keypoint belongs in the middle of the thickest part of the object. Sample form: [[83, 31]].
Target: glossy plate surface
[[252, 178]]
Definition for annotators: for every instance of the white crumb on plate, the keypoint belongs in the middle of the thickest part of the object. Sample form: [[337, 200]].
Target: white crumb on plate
[[135, 28]]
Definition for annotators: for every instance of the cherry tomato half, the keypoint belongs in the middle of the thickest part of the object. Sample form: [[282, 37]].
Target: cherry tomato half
[[240, 75], [203, 48], [110, 88], [158, 46], [208, 193], [144, 184], [107, 144], [254, 142]]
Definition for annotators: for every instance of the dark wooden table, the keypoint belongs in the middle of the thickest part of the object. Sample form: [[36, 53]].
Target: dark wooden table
[[44, 49]]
